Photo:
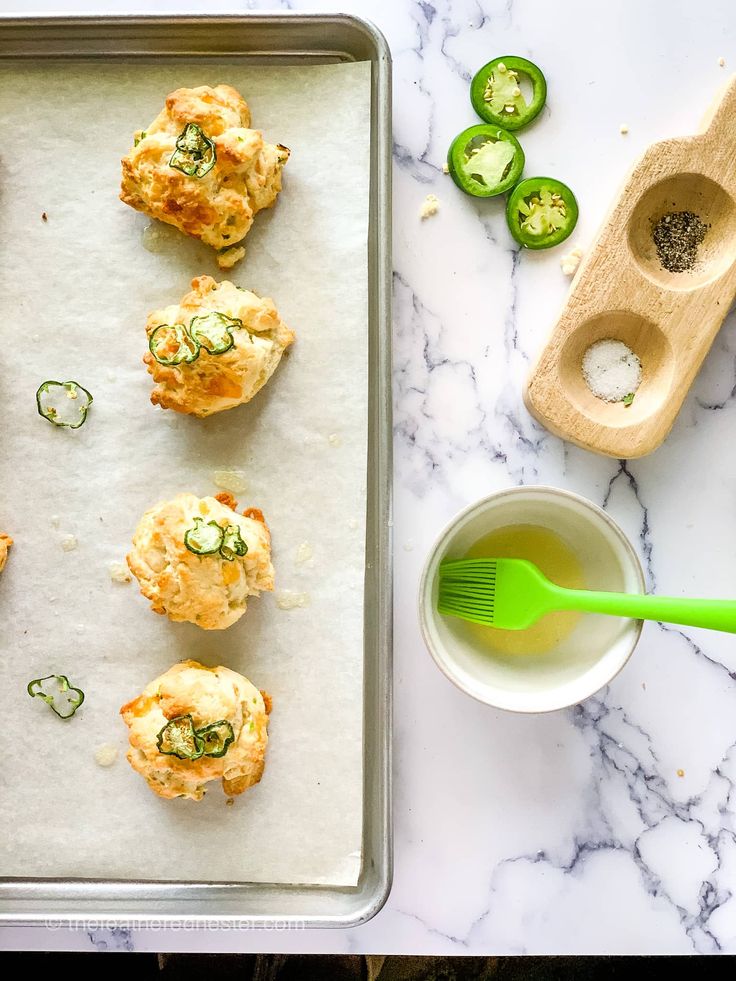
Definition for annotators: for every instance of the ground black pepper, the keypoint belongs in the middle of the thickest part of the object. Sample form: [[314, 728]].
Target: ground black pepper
[[677, 236]]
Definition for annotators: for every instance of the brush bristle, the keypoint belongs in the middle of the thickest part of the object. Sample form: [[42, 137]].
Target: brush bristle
[[467, 588]]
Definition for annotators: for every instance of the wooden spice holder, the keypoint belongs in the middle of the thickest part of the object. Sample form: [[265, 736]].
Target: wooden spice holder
[[622, 291]]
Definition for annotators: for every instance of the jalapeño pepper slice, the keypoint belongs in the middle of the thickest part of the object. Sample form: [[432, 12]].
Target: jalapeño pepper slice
[[195, 153], [65, 404], [233, 544], [214, 331], [497, 96], [179, 738], [541, 212], [170, 344], [204, 539], [216, 738], [485, 160], [56, 691]]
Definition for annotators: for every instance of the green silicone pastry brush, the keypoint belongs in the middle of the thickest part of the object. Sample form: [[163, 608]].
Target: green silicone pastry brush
[[512, 594]]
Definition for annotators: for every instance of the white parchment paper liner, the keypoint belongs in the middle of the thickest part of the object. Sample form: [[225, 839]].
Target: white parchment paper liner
[[76, 290]]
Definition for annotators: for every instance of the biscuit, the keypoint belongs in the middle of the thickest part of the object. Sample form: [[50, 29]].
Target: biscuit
[[208, 695], [200, 167], [208, 590], [213, 382], [5, 542]]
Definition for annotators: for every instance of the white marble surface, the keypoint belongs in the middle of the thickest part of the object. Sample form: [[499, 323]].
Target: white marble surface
[[573, 832]]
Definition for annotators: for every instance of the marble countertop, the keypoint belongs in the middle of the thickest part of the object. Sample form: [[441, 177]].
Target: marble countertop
[[608, 828]]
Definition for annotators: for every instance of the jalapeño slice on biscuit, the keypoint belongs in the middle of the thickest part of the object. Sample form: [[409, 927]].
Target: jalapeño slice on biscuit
[[214, 331], [204, 539], [171, 344], [216, 738], [233, 544], [179, 738], [195, 153]]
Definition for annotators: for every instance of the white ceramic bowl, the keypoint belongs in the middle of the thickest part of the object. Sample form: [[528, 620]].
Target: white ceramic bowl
[[589, 657]]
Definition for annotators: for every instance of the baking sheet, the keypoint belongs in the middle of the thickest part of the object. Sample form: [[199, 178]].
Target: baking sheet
[[75, 294]]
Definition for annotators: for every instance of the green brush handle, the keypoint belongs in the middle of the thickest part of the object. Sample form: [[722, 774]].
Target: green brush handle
[[713, 614]]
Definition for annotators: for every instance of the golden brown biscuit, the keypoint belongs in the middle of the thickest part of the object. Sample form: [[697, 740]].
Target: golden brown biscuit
[[5, 542], [207, 589], [207, 695], [199, 167], [215, 382]]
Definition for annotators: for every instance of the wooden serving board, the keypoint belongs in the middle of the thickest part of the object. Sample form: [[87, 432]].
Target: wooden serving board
[[622, 291]]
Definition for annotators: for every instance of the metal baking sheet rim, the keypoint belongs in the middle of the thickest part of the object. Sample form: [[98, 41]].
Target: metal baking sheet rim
[[87, 904]]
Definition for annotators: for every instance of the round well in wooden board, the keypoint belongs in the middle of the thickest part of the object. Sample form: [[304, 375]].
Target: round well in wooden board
[[713, 205], [650, 345]]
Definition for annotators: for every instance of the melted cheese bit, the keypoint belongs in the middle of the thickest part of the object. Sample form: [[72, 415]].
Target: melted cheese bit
[[304, 553], [287, 599], [157, 237], [230, 480], [69, 543], [119, 572], [106, 754]]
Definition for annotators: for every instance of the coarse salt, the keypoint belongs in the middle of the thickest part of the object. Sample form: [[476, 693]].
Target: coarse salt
[[612, 370]]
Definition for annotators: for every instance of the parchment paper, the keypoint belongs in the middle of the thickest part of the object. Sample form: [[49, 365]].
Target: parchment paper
[[76, 290]]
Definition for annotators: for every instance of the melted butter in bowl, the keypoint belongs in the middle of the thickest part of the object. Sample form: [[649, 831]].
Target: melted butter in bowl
[[563, 658], [559, 564]]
